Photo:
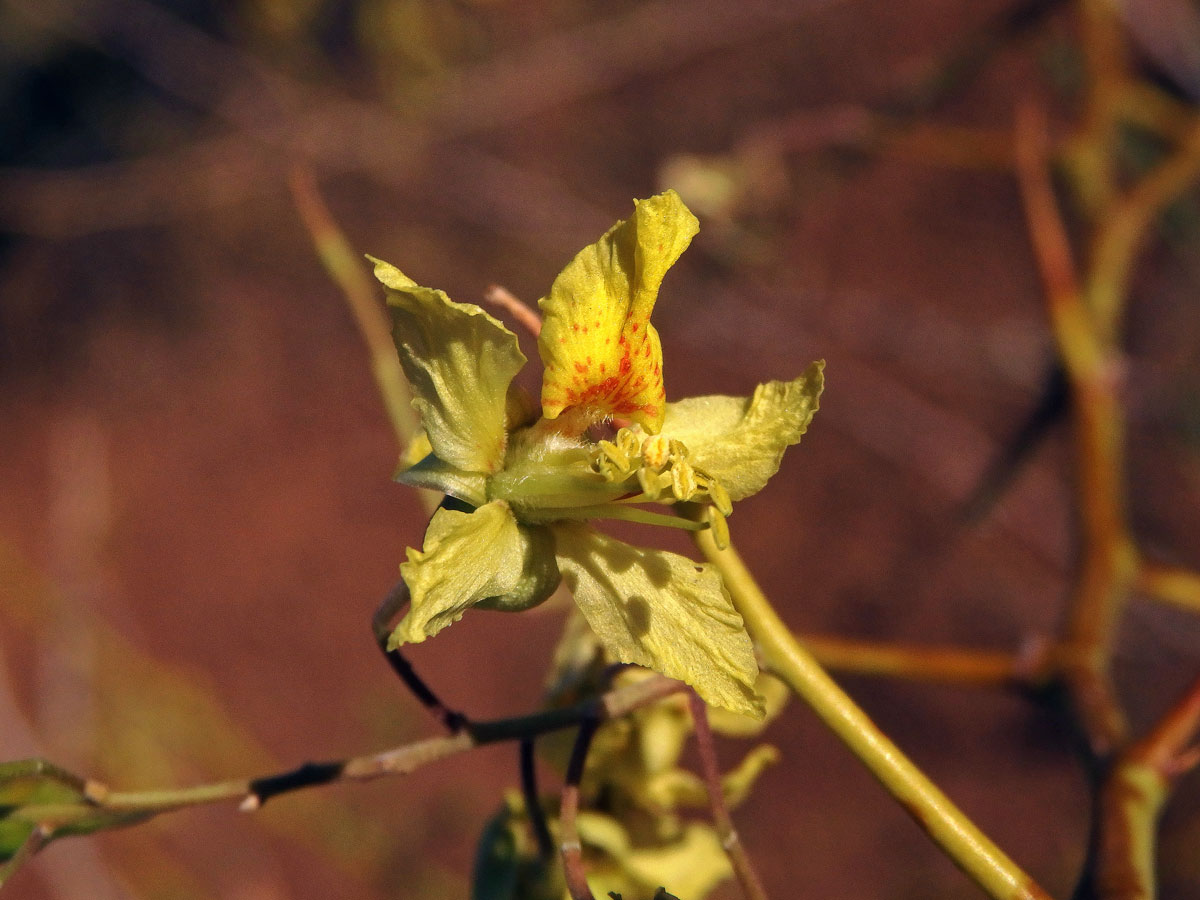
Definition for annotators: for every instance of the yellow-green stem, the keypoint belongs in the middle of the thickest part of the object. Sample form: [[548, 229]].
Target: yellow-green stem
[[969, 848]]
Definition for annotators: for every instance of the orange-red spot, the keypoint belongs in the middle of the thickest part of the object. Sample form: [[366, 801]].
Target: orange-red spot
[[562, 340], [621, 339], [602, 368], [646, 350], [575, 326], [597, 324], [626, 365], [580, 368], [633, 327]]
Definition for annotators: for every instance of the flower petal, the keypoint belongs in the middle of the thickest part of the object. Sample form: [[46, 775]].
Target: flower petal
[[459, 362], [482, 558], [661, 611], [740, 441], [602, 355]]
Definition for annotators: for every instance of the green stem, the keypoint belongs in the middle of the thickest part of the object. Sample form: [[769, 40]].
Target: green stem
[[613, 511], [167, 800], [970, 849]]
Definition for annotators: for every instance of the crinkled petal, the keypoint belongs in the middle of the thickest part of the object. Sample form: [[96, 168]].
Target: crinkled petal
[[661, 611], [602, 355], [458, 361], [740, 441], [481, 558]]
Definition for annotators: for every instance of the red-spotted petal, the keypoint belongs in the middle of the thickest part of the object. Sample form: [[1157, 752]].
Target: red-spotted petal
[[602, 355]]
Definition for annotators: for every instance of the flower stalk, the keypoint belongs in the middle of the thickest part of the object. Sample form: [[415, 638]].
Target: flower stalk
[[969, 848]]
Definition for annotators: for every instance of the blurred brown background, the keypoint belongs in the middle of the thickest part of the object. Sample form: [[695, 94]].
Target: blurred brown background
[[196, 517]]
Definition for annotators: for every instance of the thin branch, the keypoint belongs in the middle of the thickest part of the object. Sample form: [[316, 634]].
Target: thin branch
[[1124, 228], [348, 272], [1168, 584], [752, 886], [571, 848], [254, 792], [1132, 796], [527, 317], [1032, 667], [381, 625], [1170, 749], [1109, 560]]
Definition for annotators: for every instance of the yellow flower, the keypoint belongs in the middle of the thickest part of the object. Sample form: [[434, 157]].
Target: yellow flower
[[527, 494]]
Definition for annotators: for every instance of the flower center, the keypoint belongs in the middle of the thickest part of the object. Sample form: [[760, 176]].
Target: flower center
[[609, 480]]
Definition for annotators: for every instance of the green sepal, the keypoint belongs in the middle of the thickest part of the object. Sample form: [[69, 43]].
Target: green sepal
[[459, 362], [473, 559], [440, 476], [661, 611], [740, 441]]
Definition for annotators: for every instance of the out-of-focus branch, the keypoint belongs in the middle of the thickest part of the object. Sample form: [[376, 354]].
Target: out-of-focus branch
[[1122, 231], [571, 847], [275, 113], [1132, 796], [1169, 584], [527, 317], [1109, 561], [346, 268], [752, 886], [1030, 667]]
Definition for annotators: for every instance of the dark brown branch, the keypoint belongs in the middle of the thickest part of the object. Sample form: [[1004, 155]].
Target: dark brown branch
[[533, 803], [381, 626]]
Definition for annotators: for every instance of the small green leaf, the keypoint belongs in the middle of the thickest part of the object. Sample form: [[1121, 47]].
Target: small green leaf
[[507, 864], [661, 611], [458, 361], [34, 792], [740, 441], [471, 559], [497, 863]]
